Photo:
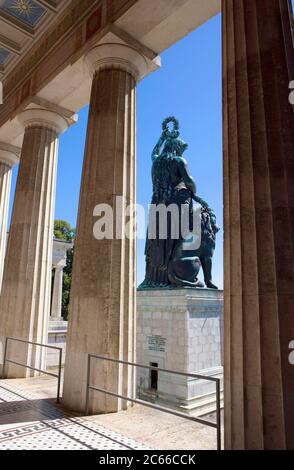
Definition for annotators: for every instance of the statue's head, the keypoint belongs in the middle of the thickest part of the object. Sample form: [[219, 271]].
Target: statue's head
[[173, 144]]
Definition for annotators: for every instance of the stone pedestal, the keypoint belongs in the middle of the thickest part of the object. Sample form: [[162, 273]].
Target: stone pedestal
[[25, 296], [57, 332], [259, 224], [9, 157], [180, 329]]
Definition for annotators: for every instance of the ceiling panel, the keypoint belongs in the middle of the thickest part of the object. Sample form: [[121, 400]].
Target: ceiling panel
[[5, 56], [22, 23], [28, 12], [12, 33]]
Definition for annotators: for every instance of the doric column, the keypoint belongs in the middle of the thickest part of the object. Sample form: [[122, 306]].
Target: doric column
[[9, 157], [25, 297], [57, 294], [259, 221], [102, 309]]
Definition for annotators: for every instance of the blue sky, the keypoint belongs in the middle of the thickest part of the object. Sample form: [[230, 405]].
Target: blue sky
[[187, 86]]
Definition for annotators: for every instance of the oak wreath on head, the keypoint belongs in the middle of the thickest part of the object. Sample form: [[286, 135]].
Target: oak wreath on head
[[176, 129]]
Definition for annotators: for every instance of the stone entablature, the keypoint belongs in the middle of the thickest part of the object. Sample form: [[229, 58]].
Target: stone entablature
[[54, 70], [89, 13], [81, 23]]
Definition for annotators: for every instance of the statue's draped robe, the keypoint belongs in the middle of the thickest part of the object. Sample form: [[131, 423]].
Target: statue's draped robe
[[168, 188]]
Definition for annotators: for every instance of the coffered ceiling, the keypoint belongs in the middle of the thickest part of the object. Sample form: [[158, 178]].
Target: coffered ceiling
[[22, 22]]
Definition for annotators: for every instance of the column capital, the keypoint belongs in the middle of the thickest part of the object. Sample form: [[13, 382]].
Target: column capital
[[9, 154], [59, 266], [43, 118], [114, 55]]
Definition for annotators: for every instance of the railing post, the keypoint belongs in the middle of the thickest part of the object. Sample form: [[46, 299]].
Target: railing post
[[216, 425], [218, 415], [88, 384], [4, 357], [59, 376]]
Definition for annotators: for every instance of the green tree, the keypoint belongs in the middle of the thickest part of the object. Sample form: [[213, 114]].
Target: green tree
[[64, 231], [67, 276]]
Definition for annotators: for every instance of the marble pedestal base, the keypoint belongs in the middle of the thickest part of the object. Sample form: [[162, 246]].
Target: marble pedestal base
[[57, 332], [180, 329]]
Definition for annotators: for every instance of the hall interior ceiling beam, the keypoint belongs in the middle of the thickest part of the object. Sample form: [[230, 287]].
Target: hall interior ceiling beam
[[49, 4], [10, 45]]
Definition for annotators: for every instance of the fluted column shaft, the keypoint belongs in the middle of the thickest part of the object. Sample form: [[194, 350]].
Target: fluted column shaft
[[5, 185], [57, 294], [8, 158], [102, 308], [259, 221], [25, 297]]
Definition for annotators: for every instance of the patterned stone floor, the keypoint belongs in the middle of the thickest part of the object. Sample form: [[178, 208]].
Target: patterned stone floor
[[30, 423]]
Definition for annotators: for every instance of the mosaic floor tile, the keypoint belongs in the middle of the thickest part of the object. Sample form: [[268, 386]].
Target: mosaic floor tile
[[28, 423]]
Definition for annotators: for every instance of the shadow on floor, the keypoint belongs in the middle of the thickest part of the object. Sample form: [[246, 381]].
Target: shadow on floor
[[29, 423]]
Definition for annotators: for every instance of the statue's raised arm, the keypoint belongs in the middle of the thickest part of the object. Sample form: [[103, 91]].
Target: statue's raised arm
[[156, 151]]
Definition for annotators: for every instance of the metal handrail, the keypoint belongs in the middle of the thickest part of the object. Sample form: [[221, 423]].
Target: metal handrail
[[57, 376], [217, 382]]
